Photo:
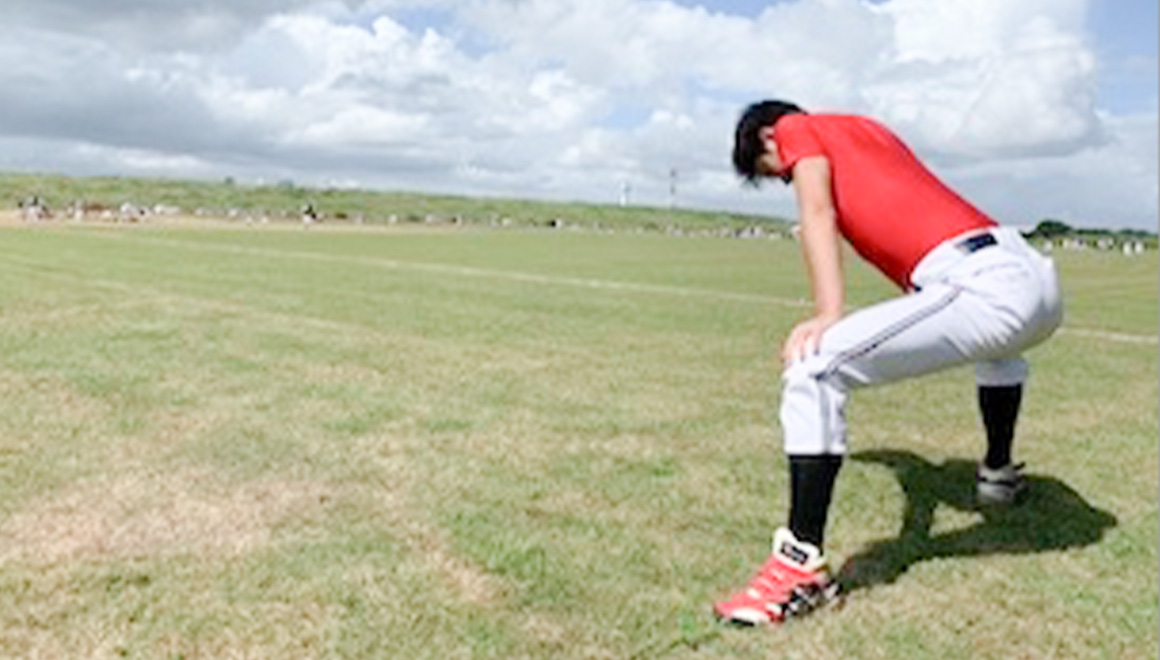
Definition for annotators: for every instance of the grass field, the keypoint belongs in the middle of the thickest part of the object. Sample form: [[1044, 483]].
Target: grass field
[[218, 442]]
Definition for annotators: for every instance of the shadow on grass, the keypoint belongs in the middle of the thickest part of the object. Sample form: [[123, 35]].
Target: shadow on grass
[[1051, 516]]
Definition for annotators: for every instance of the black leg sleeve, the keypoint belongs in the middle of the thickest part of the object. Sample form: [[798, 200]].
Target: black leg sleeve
[[1000, 409], [811, 487]]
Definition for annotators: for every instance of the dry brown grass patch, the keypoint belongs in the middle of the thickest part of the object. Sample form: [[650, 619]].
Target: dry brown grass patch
[[144, 513], [427, 543]]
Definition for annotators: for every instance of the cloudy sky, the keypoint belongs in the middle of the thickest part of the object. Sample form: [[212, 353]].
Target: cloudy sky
[[1032, 108]]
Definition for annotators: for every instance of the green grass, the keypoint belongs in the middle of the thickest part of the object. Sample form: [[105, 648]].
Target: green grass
[[276, 443]]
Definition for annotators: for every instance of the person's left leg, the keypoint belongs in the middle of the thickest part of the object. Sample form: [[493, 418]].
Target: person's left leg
[[999, 406], [998, 479]]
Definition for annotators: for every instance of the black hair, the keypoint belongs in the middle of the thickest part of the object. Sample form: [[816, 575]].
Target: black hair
[[747, 144]]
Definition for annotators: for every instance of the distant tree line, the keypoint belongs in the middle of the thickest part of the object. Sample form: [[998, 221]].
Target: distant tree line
[[1051, 229]]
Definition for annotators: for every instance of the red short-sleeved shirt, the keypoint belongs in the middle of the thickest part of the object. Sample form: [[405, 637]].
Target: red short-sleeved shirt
[[890, 207]]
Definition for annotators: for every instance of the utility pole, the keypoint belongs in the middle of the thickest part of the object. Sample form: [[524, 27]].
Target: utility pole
[[672, 188]]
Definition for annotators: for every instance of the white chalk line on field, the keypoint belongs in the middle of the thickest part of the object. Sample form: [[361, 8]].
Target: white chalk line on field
[[1107, 335], [291, 323], [145, 296], [472, 271], [535, 278]]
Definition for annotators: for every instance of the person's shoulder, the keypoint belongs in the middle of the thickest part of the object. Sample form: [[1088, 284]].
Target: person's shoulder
[[842, 118], [823, 120], [795, 120], [797, 123], [852, 124]]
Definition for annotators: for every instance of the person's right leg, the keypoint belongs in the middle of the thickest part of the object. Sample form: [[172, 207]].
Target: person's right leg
[[892, 340], [810, 490]]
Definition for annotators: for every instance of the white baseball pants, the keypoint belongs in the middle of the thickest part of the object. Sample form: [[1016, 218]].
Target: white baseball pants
[[985, 307]]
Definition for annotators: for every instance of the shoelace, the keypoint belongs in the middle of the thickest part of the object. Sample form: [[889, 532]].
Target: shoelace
[[775, 582]]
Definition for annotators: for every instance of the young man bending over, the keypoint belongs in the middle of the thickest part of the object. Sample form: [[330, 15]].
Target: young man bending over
[[975, 292]]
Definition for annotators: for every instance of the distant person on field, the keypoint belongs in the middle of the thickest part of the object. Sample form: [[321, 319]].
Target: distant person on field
[[974, 293]]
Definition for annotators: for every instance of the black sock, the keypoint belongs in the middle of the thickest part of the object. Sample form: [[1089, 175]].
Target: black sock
[[1000, 408], [811, 486]]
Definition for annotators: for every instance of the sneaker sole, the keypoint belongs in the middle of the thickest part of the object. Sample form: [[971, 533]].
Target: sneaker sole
[[831, 597], [987, 497], [808, 603]]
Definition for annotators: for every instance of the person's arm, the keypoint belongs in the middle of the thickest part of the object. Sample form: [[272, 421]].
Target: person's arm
[[821, 247]]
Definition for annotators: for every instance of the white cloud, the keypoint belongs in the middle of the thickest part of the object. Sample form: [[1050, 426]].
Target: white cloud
[[947, 30], [990, 78], [565, 98], [1111, 185], [362, 126], [147, 25], [655, 48]]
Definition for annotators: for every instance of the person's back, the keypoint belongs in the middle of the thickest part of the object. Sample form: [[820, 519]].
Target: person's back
[[891, 208]]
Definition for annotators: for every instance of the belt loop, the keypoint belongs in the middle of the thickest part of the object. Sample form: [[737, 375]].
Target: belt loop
[[973, 244]]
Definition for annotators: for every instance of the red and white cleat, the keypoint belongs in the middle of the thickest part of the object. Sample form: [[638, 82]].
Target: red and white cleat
[[793, 581]]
